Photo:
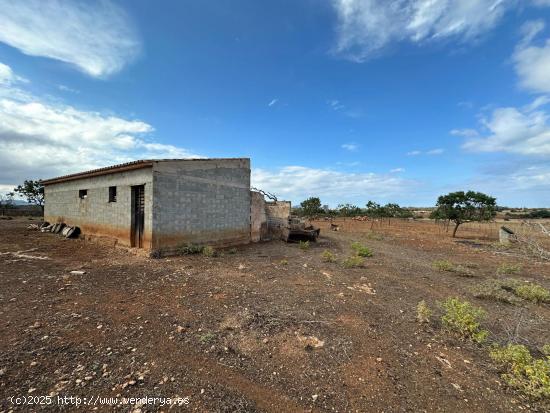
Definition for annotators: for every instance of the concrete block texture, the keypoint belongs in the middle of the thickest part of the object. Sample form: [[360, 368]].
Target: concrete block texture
[[186, 201], [201, 202], [95, 215]]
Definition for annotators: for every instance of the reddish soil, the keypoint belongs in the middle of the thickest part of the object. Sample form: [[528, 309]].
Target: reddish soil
[[271, 328]]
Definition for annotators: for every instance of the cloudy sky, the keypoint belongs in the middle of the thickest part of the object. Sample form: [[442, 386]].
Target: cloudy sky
[[349, 100]]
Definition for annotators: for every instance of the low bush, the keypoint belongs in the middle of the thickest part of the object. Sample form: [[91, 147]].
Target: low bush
[[207, 338], [464, 319], [208, 251], [361, 250], [283, 262], [533, 292], [523, 372], [304, 245], [353, 261], [512, 291], [443, 265], [189, 249], [423, 312], [446, 265], [328, 256], [508, 269], [497, 289]]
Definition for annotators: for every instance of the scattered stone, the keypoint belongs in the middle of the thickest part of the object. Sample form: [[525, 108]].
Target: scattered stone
[[78, 272], [315, 397], [311, 342]]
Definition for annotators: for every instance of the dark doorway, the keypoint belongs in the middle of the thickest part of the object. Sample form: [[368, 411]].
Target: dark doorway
[[138, 215]]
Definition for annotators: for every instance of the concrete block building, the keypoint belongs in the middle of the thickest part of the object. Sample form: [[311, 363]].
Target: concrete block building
[[159, 204]]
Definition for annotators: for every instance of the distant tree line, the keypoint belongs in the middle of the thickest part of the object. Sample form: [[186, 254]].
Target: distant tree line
[[534, 214], [457, 207], [312, 207]]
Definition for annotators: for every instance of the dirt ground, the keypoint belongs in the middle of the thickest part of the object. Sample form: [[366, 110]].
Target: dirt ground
[[270, 328]]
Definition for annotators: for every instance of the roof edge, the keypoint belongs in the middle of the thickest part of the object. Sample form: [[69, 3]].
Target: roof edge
[[128, 166]]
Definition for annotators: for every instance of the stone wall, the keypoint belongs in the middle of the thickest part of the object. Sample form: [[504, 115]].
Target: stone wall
[[278, 214], [201, 202], [95, 215], [258, 217]]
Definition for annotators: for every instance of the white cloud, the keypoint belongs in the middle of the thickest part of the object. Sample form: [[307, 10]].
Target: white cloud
[[7, 77], [96, 37], [532, 62], [273, 102], [397, 170], [352, 147], [520, 185], [299, 182], [335, 104], [40, 138], [467, 133], [522, 131], [64, 88], [367, 26], [436, 151]]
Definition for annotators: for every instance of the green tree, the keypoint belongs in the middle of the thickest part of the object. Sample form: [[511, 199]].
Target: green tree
[[348, 210], [374, 210], [311, 206], [460, 207], [33, 191]]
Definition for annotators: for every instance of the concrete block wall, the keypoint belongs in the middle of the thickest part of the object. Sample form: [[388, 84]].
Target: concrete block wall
[[95, 215], [202, 202]]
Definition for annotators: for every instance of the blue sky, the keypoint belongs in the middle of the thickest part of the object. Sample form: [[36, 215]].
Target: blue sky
[[349, 100]]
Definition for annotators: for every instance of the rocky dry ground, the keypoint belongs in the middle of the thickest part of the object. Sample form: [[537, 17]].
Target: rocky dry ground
[[269, 328]]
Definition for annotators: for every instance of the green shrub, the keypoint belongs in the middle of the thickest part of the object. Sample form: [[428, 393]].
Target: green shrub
[[443, 265], [545, 350], [232, 251], [508, 269], [208, 251], [528, 375], [207, 338], [423, 312], [283, 262], [497, 289], [446, 265], [353, 261], [304, 245], [361, 250], [328, 256], [189, 249], [533, 292], [463, 318]]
